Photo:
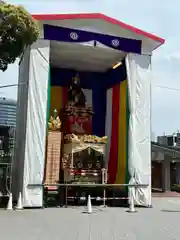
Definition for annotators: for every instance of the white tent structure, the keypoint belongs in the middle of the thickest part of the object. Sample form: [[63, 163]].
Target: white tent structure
[[92, 52]]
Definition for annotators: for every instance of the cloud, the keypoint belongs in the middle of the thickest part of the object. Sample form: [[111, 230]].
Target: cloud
[[9, 77], [165, 96], [159, 17], [173, 56]]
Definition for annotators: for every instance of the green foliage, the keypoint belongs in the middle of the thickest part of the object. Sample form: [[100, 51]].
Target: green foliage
[[17, 31]]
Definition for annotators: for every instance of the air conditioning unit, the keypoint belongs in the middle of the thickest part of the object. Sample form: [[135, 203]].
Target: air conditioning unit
[[178, 140], [162, 140], [170, 141]]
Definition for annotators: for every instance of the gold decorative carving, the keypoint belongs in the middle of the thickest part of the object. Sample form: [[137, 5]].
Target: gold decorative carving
[[85, 138], [54, 124]]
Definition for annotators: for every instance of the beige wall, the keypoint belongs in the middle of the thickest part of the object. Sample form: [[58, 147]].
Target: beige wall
[[157, 156]]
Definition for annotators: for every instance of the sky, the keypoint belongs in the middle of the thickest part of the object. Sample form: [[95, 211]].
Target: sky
[[160, 17]]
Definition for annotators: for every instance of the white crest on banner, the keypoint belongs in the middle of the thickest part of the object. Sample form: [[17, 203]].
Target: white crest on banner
[[73, 35], [115, 42]]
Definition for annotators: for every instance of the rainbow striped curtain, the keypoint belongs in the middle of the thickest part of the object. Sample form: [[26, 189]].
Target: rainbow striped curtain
[[111, 118], [117, 126]]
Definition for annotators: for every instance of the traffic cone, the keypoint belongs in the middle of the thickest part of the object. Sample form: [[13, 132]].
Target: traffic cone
[[10, 205], [89, 205], [19, 203]]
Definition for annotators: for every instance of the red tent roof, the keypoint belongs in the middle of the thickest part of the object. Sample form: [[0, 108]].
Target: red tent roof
[[49, 17]]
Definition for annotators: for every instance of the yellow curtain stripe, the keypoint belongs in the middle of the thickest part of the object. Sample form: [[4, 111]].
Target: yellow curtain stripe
[[56, 99], [121, 168]]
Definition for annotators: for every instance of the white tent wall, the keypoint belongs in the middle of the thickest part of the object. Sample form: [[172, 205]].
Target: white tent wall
[[35, 140], [139, 85], [32, 110], [21, 116]]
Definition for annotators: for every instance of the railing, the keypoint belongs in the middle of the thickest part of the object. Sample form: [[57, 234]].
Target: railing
[[106, 185], [132, 187]]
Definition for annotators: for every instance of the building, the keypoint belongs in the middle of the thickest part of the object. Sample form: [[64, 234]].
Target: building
[[7, 140], [167, 140], [7, 112], [166, 162], [91, 45]]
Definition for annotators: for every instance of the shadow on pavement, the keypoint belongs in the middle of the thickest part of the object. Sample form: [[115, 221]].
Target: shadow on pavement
[[170, 211]]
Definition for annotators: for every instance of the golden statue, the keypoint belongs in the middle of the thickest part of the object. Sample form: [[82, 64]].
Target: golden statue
[[54, 123]]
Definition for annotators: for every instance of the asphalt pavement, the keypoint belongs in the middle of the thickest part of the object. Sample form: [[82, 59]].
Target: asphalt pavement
[[160, 222]]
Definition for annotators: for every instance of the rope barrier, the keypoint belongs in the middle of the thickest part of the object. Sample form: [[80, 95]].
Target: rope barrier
[[104, 186]]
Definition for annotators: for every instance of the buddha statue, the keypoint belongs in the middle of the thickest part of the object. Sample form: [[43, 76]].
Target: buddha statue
[[76, 96]]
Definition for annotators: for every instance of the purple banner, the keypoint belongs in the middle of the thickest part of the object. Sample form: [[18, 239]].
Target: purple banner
[[79, 36]]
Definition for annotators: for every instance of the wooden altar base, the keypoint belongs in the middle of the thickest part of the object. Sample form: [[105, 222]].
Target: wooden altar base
[[53, 156]]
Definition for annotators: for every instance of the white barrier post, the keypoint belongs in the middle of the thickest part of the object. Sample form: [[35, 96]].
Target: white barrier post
[[104, 198], [10, 205], [131, 200]]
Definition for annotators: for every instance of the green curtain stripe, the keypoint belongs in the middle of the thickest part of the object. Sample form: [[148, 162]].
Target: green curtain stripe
[[127, 136], [48, 96]]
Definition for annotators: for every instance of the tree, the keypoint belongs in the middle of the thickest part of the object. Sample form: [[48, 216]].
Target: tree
[[17, 31]]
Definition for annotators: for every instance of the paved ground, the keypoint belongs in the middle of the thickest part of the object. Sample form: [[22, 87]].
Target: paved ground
[[160, 222], [168, 194]]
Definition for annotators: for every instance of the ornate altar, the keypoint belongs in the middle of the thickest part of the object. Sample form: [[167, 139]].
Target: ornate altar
[[73, 155], [83, 160]]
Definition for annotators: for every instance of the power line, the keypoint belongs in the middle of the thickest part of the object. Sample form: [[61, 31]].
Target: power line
[[159, 86], [13, 85], [169, 88]]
